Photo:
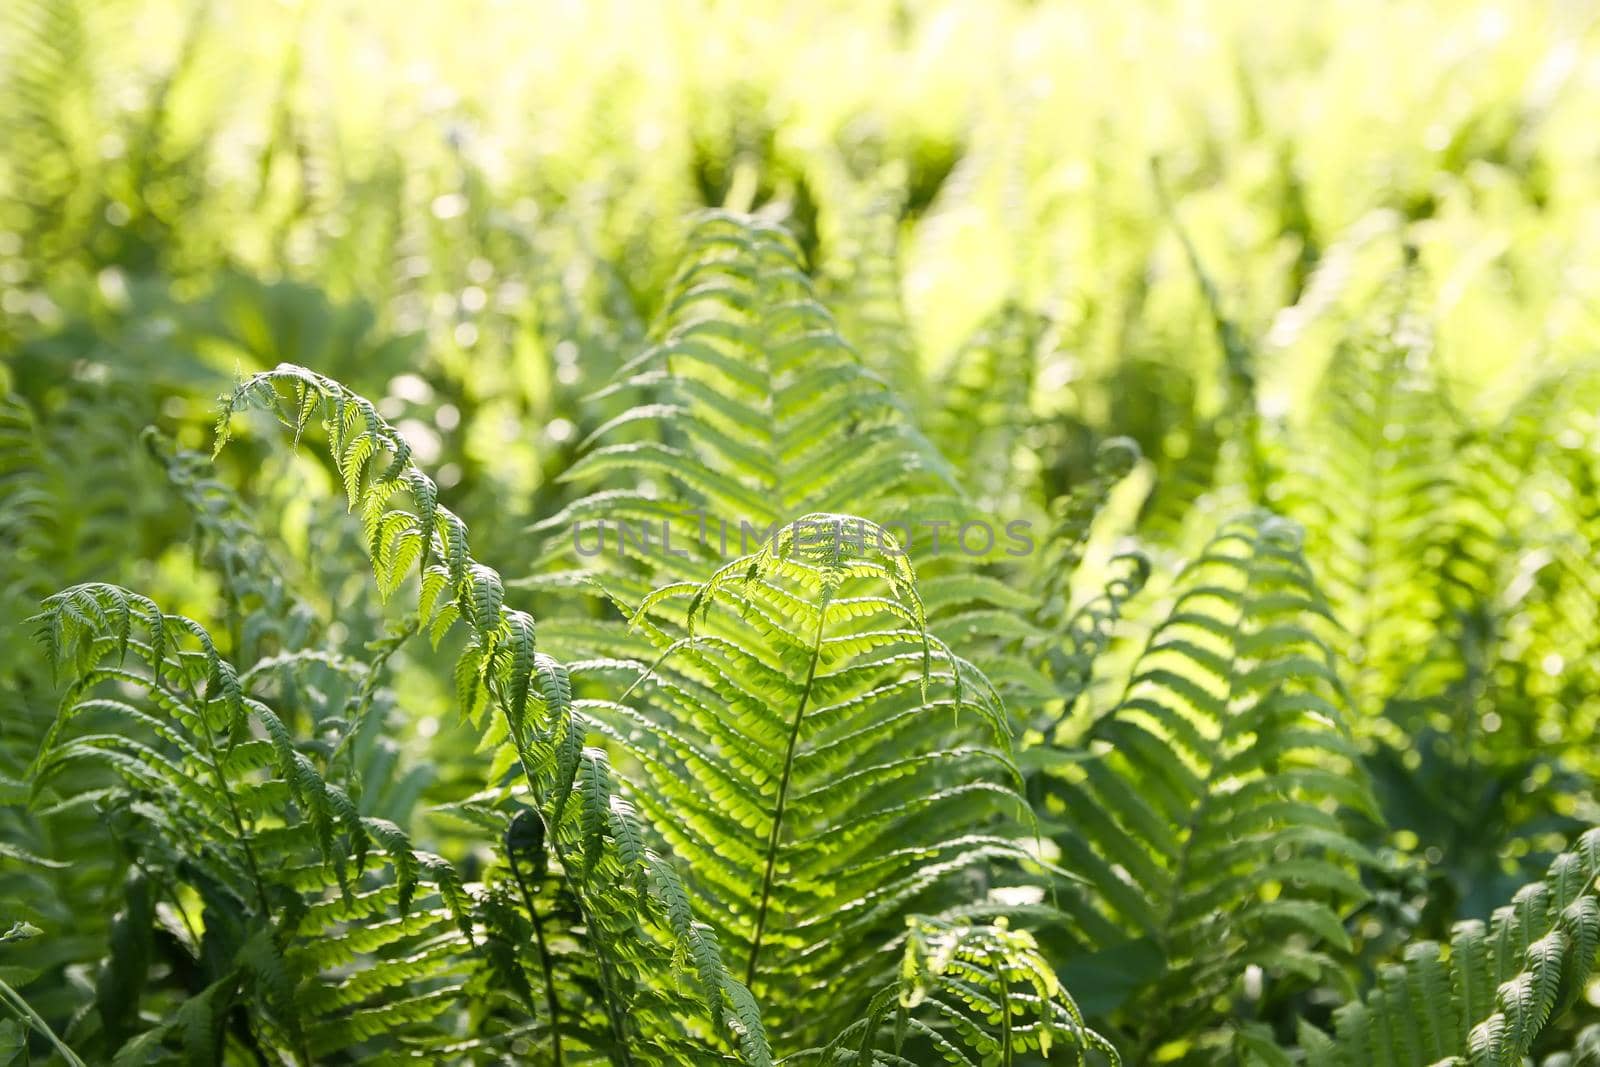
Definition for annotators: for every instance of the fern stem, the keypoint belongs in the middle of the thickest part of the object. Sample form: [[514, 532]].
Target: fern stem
[[238, 822], [300, 1054], [544, 960], [1008, 1054], [25, 1011], [783, 797], [608, 991], [590, 919], [233, 808]]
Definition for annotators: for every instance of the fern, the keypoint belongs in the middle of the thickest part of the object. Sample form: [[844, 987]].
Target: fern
[[183, 762], [56, 532], [758, 411], [863, 769], [1485, 997], [1372, 489], [859, 765], [988, 398], [1204, 809], [820, 886], [865, 274], [954, 980], [739, 751], [1394, 473], [569, 783]]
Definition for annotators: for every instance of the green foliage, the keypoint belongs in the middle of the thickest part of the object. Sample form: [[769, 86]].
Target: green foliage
[[1205, 808], [963, 977], [541, 729], [1488, 997], [824, 534], [205, 787]]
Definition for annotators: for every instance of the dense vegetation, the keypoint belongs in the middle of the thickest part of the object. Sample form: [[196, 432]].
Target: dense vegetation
[[854, 533]]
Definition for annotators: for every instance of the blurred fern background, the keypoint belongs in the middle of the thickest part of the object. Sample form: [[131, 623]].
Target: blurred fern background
[[1276, 324]]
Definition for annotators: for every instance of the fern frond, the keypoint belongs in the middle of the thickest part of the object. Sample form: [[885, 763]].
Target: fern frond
[[1204, 809], [756, 410], [863, 273], [1372, 487], [969, 995], [218, 796], [987, 405], [1486, 999], [501, 667], [822, 762]]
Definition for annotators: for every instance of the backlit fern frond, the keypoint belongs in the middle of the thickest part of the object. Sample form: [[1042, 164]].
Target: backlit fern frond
[[1369, 482], [1547, 463], [1205, 810], [863, 269], [756, 411], [1240, 423], [1523, 534], [823, 765], [208, 793], [599, 847], [967, 995], [986, 405], [1485, 997], [1458, 554]]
